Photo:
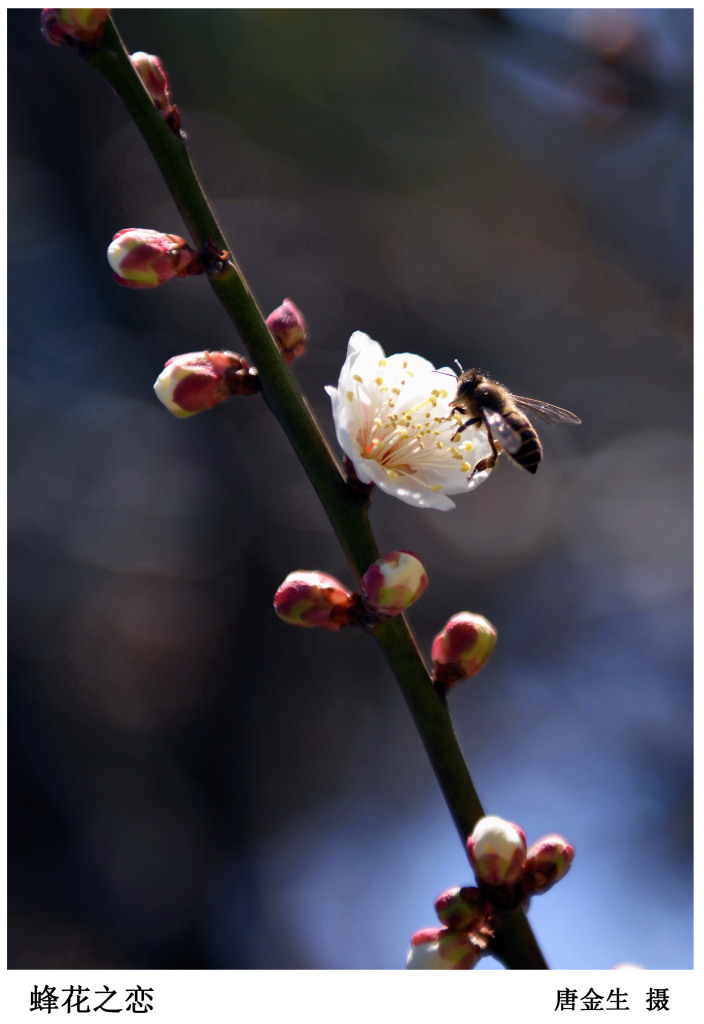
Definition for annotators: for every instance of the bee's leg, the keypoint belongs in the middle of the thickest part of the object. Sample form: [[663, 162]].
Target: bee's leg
[[490, 461], [467, 423], [482, 465]]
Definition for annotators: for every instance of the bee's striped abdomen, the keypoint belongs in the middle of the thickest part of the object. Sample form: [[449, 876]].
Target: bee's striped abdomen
[[531, 452]]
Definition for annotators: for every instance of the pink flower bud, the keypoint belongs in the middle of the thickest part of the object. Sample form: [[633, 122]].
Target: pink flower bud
[[548, 861], [443, 949], [72, 26], [151, 71], [393, 583], [462, 908], [197, 381], [424, 953], [142, 258], [462, 648], [289, 329], [497, 851], [315, 599]]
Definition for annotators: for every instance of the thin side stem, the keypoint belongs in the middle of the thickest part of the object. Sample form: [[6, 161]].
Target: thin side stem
[[347, 511]]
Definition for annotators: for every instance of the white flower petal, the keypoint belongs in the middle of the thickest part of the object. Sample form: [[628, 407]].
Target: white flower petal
[[406, 490]]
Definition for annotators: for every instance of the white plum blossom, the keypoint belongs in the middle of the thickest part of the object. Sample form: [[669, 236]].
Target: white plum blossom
[[394, 422]]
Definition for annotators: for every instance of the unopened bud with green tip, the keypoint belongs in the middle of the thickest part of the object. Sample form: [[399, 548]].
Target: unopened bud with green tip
[[462, 648], [197, 381], [393, 583], [462, 907], [73, 26], [289, 329], [316, 600], [143, 258], [438, 949], [548, 860], [497, 851]]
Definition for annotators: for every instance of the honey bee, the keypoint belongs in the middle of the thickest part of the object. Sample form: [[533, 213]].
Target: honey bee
[[485, 401]]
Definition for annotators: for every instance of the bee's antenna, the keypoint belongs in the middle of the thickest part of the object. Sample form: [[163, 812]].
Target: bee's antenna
[[459, 364], [446, 374]]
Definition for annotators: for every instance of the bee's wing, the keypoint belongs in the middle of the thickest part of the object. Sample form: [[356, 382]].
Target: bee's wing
[[546, 411], [510, 439]]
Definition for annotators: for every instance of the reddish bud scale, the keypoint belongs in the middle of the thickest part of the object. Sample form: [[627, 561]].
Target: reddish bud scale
[[419, 938], [353, 482], [493, 870]]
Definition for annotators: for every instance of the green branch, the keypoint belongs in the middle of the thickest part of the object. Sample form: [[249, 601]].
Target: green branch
[[348, 513]]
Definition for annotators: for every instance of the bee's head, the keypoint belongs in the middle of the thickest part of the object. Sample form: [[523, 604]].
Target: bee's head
[[470, 379]]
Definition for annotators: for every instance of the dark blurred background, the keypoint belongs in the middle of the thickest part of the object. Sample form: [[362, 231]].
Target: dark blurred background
[[194, 784]]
